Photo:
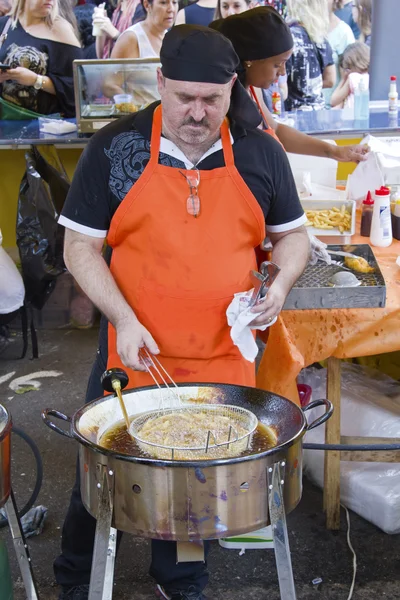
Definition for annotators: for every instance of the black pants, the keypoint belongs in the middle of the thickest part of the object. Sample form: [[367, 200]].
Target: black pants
[[73, 566]]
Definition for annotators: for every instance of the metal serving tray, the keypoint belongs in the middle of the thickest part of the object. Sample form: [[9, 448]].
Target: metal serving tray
[[312, 290]]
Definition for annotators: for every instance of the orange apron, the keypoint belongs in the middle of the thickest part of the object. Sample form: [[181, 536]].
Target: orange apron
[[269, 130], [179, 273]]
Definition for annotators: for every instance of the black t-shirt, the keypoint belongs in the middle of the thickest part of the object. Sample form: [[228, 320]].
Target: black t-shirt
[[304, 70], [117, 155], [44, 57]]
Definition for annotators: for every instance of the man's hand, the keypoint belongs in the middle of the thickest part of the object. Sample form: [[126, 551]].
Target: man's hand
[[350, 153], [20, 75], [271, 306], [131, 336]]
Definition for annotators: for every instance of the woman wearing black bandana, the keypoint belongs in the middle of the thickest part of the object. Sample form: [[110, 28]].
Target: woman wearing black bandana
[[263, 42]]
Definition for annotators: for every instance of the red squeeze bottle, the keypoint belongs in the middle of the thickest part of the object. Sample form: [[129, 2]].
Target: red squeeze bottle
[[366, 215]]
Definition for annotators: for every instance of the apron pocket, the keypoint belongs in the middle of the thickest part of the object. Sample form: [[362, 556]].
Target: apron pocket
[[186, 325]]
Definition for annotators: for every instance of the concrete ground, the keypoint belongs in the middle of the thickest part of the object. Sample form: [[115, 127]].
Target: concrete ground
[[316, 552]]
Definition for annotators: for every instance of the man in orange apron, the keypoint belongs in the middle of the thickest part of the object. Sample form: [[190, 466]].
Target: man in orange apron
[[183, 195]]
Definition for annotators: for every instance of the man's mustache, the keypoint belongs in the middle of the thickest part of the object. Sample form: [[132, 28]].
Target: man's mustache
[[190, 121]]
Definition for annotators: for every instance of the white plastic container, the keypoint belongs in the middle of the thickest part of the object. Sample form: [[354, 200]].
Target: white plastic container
[[381, 226], [254, 540], [123, 98], [393, 97], [98, 11]]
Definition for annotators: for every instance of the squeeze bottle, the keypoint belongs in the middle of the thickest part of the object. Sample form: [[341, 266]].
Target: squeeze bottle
[[381, 226], [393, 97]]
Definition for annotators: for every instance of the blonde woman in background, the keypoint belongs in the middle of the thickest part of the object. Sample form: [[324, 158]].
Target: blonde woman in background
[[362, 15], [311, 67], [340, 36], [40, 48]]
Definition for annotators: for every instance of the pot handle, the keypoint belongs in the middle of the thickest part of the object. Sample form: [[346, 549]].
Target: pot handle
[[323, 418], [48, 412]]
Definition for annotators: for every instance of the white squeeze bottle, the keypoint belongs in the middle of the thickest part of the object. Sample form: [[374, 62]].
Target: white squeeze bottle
[[393, 97], [381, 226]]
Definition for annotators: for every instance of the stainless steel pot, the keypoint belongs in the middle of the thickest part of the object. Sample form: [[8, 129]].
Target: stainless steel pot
[[5, 455], [181, 500]]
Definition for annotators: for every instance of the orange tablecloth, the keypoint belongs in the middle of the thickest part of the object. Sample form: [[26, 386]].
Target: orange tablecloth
[[302, 337]]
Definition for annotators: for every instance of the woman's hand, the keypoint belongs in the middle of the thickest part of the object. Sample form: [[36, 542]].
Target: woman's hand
[[20, 75], [106, 26]]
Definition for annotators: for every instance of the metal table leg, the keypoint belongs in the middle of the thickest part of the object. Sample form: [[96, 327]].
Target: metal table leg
[[275, 476], [21, 548], [102, 574]]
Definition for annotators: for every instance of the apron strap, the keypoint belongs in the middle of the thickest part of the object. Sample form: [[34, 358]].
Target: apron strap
[[156, 138], [254, 96], [156, 135]]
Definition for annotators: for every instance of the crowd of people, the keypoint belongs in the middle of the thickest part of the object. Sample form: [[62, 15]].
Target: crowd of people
[[40, 39]]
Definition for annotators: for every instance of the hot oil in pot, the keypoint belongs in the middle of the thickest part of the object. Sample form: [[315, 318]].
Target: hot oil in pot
[[117, 439]]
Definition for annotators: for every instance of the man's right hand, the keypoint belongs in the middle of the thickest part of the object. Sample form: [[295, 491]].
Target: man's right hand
[[131, 336]]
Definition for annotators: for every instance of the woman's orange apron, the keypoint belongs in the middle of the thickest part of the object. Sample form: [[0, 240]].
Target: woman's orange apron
[[269, 130], [283, 350], [179, 273]]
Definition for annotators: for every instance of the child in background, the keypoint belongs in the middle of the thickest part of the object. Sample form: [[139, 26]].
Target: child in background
[[354, 66]]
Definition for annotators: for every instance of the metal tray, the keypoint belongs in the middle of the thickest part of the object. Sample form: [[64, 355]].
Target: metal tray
[[312, 290]]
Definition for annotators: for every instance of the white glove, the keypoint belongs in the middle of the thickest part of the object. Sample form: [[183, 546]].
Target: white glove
[[318, 251]]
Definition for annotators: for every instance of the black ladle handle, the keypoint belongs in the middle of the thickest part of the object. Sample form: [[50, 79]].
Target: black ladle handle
[[112, 375]]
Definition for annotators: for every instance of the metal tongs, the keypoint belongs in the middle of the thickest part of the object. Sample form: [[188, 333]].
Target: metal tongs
[[153, 367], [263, 280]]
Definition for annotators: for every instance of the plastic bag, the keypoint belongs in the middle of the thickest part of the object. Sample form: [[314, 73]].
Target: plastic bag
[[40, 239], [370, 407]]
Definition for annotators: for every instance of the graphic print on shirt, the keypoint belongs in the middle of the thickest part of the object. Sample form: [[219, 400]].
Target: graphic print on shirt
[[31, 58], [129, 154], [304, 69]]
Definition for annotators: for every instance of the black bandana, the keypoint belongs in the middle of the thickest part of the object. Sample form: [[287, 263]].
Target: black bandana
[[257, 33], [200, 54]]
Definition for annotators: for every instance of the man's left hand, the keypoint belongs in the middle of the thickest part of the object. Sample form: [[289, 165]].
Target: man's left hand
[[350, 153], [21, 75], [270, 307]]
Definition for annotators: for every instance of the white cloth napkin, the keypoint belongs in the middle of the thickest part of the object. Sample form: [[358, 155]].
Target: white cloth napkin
[[239, 316]]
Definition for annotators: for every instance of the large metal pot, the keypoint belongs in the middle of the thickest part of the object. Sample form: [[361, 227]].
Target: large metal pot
[[5, 455], [180, 500]]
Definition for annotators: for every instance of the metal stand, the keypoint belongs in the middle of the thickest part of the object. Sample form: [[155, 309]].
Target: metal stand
[[21, 548], [275, 477], [102, 574]]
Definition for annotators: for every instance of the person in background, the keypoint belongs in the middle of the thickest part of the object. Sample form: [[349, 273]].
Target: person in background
[[311, 67], [66, 12], [264, 43], [346, 14], [84, 16], [197, 13], [354, 66], [5, 7], [40, 48], [226, 8], [144, 39], [123, 17], [340, 36], [362, 14]]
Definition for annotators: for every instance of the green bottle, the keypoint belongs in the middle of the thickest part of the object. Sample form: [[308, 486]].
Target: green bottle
[[6, 588]]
